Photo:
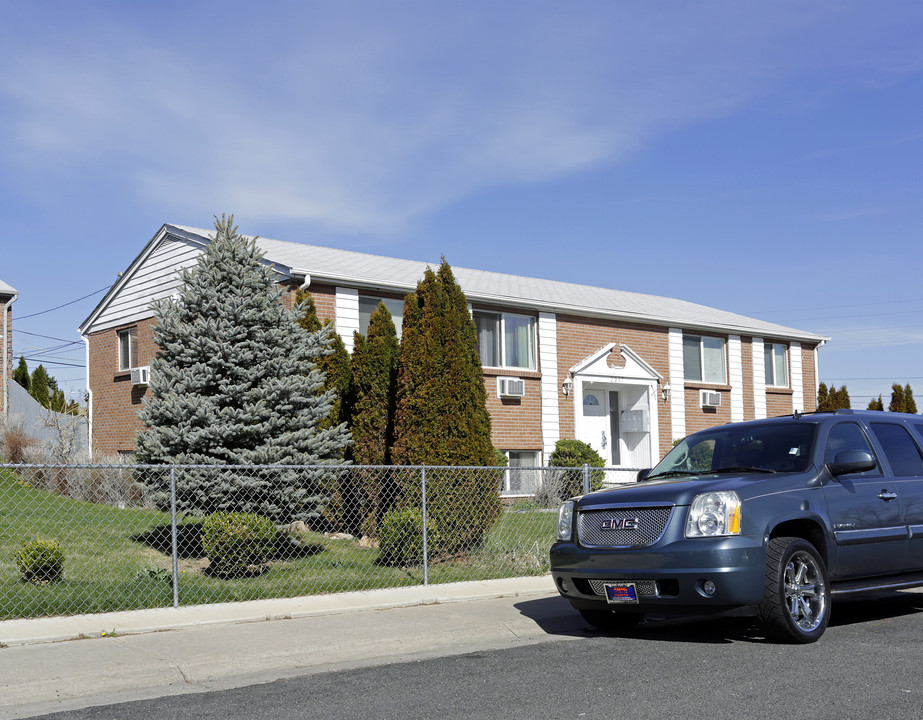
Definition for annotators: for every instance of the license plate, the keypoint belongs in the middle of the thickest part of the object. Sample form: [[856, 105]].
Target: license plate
[[626, 593]]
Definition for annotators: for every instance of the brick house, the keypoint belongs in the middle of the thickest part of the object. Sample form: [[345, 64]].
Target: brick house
[[626, 372], [8, 296]]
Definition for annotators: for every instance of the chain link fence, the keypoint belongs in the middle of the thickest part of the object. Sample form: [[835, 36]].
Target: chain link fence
[[98, 538]]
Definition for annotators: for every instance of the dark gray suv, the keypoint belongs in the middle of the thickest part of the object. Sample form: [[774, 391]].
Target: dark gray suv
[[778, 516]]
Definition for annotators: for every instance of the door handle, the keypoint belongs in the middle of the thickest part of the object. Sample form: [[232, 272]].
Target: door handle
[[886, 495]]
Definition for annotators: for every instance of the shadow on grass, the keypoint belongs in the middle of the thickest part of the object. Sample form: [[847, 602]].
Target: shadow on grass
[[189, 542]]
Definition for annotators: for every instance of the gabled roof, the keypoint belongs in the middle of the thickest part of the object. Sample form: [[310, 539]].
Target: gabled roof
[[377, 272], [7, 290]]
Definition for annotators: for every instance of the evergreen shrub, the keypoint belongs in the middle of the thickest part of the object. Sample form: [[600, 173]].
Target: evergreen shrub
[[40, 561], [237, 544], [576, 453], [400, 537]]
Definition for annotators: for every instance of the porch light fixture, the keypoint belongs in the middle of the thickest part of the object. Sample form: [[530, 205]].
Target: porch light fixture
[[567, 386], [666, 392]]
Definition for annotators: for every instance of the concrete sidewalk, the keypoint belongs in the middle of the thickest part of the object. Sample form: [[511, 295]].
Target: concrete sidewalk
[[117, 657]]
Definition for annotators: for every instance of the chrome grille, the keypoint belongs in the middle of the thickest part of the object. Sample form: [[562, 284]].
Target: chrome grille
[[645, 588], [622, 526]]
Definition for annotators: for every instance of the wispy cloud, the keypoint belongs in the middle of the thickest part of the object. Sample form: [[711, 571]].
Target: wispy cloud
[[369, 116]]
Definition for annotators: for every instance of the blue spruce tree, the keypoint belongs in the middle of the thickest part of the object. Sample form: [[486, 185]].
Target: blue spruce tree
[[235, 382]]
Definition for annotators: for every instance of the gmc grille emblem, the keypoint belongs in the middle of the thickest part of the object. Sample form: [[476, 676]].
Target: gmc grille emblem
[[620, 524]]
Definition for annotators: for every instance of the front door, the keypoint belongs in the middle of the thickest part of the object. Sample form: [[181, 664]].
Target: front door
[[600, 422]]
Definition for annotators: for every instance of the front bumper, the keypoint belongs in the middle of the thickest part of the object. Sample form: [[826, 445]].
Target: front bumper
[[670, 573]]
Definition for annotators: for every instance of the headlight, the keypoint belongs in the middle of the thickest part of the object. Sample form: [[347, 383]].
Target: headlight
[[566, 520], [714, 514]]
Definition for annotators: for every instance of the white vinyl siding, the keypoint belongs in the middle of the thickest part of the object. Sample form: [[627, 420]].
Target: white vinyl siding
[[548, 355], [346, 306], [156, 277], [759, 381], [677, 390], [736, 372], [794, 360]]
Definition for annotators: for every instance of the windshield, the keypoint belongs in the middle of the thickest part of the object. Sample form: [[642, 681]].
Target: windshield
[[759, 448]]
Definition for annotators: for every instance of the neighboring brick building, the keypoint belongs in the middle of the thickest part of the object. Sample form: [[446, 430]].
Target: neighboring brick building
[[8, 296], [626, 372]]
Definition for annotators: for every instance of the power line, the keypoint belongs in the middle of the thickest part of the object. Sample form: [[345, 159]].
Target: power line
[[42, 312], [47, 337], [836, 307]]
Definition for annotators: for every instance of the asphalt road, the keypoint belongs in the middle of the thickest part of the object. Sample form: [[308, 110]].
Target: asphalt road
[[869, 664]]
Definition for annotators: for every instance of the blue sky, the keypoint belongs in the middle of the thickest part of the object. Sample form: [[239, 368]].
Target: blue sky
[[764, 158]]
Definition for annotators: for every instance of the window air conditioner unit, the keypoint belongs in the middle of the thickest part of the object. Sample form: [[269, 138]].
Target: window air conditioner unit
[[141, 375], [710, 398], [511, 387]]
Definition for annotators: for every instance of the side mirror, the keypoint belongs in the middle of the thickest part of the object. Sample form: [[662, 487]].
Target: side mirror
[[851, 461], [642, 474]]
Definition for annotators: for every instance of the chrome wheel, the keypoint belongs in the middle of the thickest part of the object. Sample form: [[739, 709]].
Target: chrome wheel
[[805, 592], [796, 593]]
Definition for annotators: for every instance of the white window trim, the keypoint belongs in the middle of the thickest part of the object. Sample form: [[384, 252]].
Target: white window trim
[[124, 336], [724, 359], [532, 339], [505, 491], [770, 347]]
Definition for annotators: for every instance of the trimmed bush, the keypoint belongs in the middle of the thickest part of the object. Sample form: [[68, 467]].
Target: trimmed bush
[[575, 454], [41, 561], [400, 538], [238, 544]]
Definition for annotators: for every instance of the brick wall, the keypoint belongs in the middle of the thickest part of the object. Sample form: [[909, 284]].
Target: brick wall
[[116, 401], [809, 374], [516, 423], [579, 337]]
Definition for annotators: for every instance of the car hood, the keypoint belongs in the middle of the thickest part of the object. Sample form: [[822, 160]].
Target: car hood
[[678, 491]]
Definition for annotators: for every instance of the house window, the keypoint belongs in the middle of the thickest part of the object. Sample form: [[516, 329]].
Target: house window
[[776, 364], [368, 304], [506, 339], [703, 359], [128, 348], [522, 477]]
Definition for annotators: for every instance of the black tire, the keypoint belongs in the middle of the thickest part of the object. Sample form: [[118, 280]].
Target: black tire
[[605, 619], [796, 593]]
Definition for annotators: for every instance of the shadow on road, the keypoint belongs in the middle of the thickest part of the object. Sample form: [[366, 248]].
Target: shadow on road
[[555, 616]]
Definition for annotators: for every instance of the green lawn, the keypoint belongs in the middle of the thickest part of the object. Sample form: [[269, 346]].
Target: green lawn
[[107, 568]]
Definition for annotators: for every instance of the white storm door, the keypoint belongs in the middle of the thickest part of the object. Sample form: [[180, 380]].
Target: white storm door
[[599, 422]]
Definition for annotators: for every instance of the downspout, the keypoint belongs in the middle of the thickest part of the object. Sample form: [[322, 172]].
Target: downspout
[[6, 352], [86, 342]]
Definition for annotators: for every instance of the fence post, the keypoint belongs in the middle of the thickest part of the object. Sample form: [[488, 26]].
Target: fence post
[[173, 536], [586, 478], [425, 549]]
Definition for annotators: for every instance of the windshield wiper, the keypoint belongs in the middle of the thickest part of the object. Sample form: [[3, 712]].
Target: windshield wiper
[[677, 473], [740, 468]]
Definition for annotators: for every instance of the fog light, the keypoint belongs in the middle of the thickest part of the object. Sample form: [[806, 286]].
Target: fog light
[[562, 583], [708, 587]]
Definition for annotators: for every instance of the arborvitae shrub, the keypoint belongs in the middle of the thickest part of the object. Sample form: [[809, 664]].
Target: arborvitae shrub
[[441, 415], [40, 561], [237, 544]]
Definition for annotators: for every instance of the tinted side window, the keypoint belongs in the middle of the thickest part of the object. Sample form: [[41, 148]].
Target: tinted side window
[[902, 452], [847, 436]]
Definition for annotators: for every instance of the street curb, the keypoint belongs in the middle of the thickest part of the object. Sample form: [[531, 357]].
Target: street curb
[[35, 631]]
